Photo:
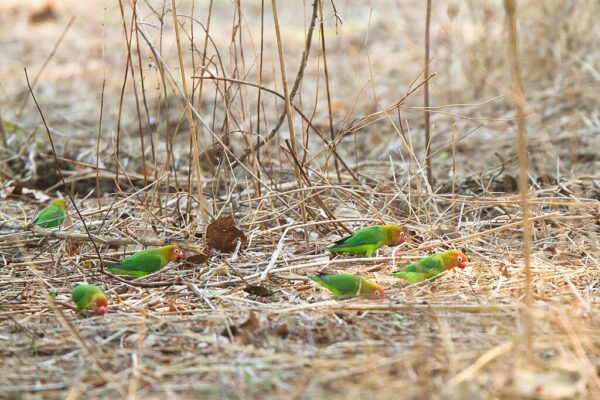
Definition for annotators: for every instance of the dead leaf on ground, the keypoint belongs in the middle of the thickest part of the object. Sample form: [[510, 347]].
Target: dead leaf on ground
[[258, 290], [197, 258], [68, 220], [97, 381], [251, 322], [173, 306], [223, 235], [243, 333], [19, 190], [302, 288], [282, 330], [72, 247], [16, 190], [44, 14], [299, 248]]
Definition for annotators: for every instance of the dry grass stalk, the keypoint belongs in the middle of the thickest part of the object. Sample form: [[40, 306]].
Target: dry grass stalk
[[193, 133], [426, 96], [519, 103]]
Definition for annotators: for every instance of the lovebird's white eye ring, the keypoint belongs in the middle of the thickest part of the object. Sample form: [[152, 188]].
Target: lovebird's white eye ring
[[459, 259]]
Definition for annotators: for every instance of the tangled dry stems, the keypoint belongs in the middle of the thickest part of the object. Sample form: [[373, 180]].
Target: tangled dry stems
[[199, 333]]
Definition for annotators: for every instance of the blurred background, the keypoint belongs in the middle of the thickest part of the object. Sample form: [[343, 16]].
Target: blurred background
[[77, 54]]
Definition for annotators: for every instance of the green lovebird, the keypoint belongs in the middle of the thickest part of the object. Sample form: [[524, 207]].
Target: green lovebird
[[147, 261], [432, 266], [365, 241], [346, 285], [90, 297], [51, 216]]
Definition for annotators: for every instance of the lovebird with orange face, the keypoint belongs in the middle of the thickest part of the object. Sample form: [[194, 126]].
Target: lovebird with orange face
[[90, 297], [365, 241], [147, 261], [430, 267], [346, 285]]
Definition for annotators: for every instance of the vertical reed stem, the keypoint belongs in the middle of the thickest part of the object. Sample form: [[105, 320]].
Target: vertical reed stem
[[288, 111], [197, 170], [426, 98], [519, 104]]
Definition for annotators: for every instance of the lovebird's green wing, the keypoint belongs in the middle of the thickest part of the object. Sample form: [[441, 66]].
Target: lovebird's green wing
[[83, 295], [364, 241], [51, 216], [369, 235], [139, 264], [421, 270], [427, 264], [340, 285]]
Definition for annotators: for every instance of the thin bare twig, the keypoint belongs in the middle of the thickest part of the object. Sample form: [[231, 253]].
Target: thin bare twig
[[62, 178]]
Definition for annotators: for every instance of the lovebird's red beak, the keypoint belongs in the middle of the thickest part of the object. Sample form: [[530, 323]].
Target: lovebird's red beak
[[462, 265]]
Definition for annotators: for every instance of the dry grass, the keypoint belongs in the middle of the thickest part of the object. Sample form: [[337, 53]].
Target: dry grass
[[357, 157]]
